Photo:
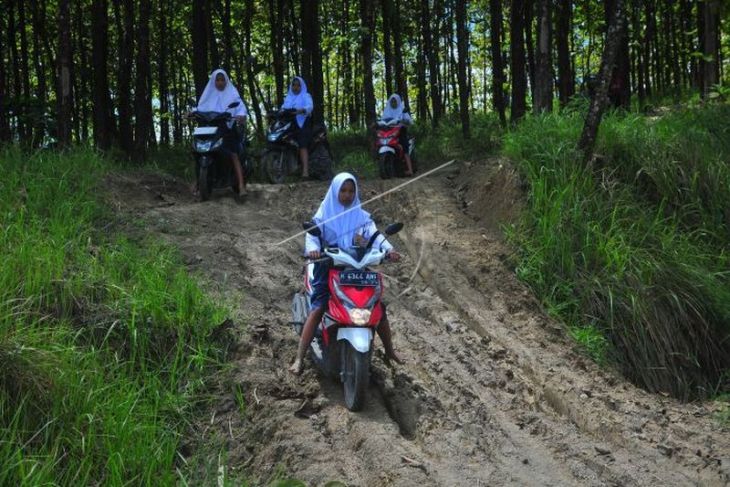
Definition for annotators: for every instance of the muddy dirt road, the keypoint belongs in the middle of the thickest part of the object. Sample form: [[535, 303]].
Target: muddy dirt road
[[493, 393]]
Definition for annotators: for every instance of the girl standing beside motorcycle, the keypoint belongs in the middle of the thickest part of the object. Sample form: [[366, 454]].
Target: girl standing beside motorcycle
[[297, 98], [344, 224], [218, 94]]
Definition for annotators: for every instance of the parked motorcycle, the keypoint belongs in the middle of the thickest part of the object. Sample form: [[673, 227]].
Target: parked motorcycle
[[281, 155], [343, 341], [391, 156], [211, 168]]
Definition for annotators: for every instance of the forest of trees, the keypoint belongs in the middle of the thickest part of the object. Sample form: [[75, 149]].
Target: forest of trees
[[122, 73]]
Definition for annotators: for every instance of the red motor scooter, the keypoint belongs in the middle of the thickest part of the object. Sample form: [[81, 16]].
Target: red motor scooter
[[342, 343], [391, 155]]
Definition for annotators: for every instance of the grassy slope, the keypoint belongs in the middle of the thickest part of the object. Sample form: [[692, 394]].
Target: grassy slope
[[104, 342], [633, 253]]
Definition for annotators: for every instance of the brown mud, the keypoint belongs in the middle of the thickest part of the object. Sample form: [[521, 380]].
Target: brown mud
[[493, 391]]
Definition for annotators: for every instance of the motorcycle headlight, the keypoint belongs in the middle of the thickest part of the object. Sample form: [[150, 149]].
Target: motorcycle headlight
[[272, 137], [203, 145], [385, 140], [360, 316]]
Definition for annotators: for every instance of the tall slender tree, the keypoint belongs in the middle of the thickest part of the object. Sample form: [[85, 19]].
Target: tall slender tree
[[162, 70], [99, 53], [710, 45], [462, 35], [400, 71], [5, 135], [200, 46], [64, 63], [143, 129], [517, 51], [366, 52], [496, 33], [599, 101], [544, 69], [566, 78], [312, 56]]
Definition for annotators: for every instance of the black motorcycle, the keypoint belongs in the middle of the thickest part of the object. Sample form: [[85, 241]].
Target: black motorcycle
[[281, 155], [212, 170]]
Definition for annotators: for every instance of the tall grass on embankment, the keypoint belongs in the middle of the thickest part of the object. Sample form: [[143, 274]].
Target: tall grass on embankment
[[633, 252], [104, 342]]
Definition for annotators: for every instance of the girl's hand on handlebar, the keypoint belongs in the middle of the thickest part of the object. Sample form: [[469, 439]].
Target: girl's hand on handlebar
[[393, 256], [315, 254]]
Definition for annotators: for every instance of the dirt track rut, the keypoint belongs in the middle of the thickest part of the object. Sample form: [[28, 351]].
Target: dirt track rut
[[492, 393]]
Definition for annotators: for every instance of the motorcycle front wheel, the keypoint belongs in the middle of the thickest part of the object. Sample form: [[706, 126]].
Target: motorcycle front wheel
[[355, 373], [385, 165], [276, 166], [205, 183]]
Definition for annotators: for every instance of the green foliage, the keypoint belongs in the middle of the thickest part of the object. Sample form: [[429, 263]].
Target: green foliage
[[104, 342], [634, 249]]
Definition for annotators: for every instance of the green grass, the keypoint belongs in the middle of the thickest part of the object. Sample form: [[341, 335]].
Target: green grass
[[633, 253], [105, 342]]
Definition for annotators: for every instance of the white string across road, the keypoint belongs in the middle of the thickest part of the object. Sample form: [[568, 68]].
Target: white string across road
[[374, 198]]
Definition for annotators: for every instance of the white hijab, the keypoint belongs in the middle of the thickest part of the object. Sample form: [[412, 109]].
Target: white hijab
[[340, 227], [394, 113], [301, 101], [215, 100]]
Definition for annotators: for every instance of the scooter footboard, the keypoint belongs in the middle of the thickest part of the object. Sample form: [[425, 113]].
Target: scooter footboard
[[359, 338]]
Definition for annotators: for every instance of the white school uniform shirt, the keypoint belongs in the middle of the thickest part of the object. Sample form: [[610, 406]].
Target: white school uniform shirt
[[339, 227]]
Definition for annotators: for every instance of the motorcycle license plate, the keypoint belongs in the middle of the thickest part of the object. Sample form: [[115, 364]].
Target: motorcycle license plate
[[358, 278]]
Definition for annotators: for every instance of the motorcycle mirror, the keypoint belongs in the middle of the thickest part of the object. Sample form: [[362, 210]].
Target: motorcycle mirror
[[312, 229], [393, 228], [234, 104]]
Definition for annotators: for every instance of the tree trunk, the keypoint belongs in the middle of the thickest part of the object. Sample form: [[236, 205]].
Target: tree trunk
[[366, 52], [517, 50], [566, 80], [5, 135], [25, 66], [599, 101], [99, 53], [142, 93], [63, 89], [162, 71], [387, 15], [710, 45], [619, 89], [124, 70], [496, 33], [276, 37], [544, 69], [200, 47], [250, 74], [16, 103], [312, 56], [421, 76], [638, 54], [400, 73], [462, 41], [215, 59], [227, 39], [529, 6], [431, 51], [39, 35]]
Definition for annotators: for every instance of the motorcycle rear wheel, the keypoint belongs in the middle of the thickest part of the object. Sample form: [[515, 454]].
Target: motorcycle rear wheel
[[355, 373]]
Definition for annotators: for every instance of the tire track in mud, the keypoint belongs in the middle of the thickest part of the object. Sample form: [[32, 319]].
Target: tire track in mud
[[492, 392]]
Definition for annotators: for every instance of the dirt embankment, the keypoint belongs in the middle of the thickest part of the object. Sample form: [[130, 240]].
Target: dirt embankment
[[493, 393]]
